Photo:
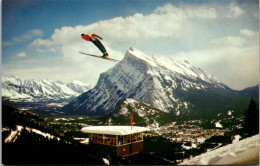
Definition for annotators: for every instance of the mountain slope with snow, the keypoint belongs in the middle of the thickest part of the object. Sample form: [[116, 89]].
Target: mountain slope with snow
[[244, 152], [169, 85], [19, 89], [143, 114]]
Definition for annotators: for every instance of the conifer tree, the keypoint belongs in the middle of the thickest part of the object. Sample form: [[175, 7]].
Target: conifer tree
[[251, 123]]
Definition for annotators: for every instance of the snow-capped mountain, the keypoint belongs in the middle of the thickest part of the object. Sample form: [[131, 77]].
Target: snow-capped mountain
[[169, 85], [78, 86], [40, 90], [143, 114]]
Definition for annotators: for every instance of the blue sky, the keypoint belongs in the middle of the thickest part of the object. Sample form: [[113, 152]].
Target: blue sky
[[49, 15], [41, 38]]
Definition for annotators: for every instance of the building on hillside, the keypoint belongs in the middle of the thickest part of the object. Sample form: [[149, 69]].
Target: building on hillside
[[116, 140]]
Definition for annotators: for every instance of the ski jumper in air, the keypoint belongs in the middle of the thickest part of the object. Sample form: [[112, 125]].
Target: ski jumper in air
[[95, 40]]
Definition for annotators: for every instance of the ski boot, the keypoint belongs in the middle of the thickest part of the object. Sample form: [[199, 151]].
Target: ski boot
[[105, 55]]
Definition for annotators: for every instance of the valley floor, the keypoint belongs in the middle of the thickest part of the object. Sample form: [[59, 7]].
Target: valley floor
[[176, 142]]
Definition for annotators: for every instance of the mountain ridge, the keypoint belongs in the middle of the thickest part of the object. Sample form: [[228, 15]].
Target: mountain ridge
[[19, 89], [250, 91], [166, 84]]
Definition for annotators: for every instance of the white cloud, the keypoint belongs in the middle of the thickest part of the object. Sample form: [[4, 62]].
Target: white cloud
[[118, 29], [205, 12], [22, 54], [41, 42], [164, 21], [249, 33], [44, 45], [35, 32], [236, 67], [31, 34], [46, 50], [133, 27], [228, 41], [235, 10], [188, 11], [191, 29]]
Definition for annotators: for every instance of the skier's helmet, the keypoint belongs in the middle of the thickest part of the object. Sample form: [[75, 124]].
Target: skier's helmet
[[82, 34]]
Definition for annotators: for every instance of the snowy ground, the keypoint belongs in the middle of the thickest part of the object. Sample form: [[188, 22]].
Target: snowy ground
[[15, 133], [244, 152]]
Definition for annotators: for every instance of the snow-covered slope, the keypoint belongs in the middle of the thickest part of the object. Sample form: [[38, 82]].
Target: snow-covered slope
[[244, 152], [16, 133], [143, 114], [165, 83], [40, 90]]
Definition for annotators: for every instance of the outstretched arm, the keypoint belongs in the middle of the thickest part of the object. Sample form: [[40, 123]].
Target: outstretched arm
[[95, 35]]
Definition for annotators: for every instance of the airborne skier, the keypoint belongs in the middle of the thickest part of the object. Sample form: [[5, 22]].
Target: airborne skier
[[94, 38]]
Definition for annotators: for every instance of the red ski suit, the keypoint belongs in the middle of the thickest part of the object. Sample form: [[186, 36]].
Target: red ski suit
[[94, 38], [88, 37]]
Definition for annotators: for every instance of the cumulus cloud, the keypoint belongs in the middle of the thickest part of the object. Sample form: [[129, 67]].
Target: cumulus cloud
[[235, 10], [31, 34], [204, 11], [249, 33], [135, 27], [41, 42], [236, 67], [165, 21], [185, 28], [46, 50], [118, 29], [27, 36], [21, 54]]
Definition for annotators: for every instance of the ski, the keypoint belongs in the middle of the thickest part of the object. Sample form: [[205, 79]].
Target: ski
[[97, 56]]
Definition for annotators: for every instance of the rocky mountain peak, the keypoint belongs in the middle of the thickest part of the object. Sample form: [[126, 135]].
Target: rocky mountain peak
[[27, 90], [165, 83]]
